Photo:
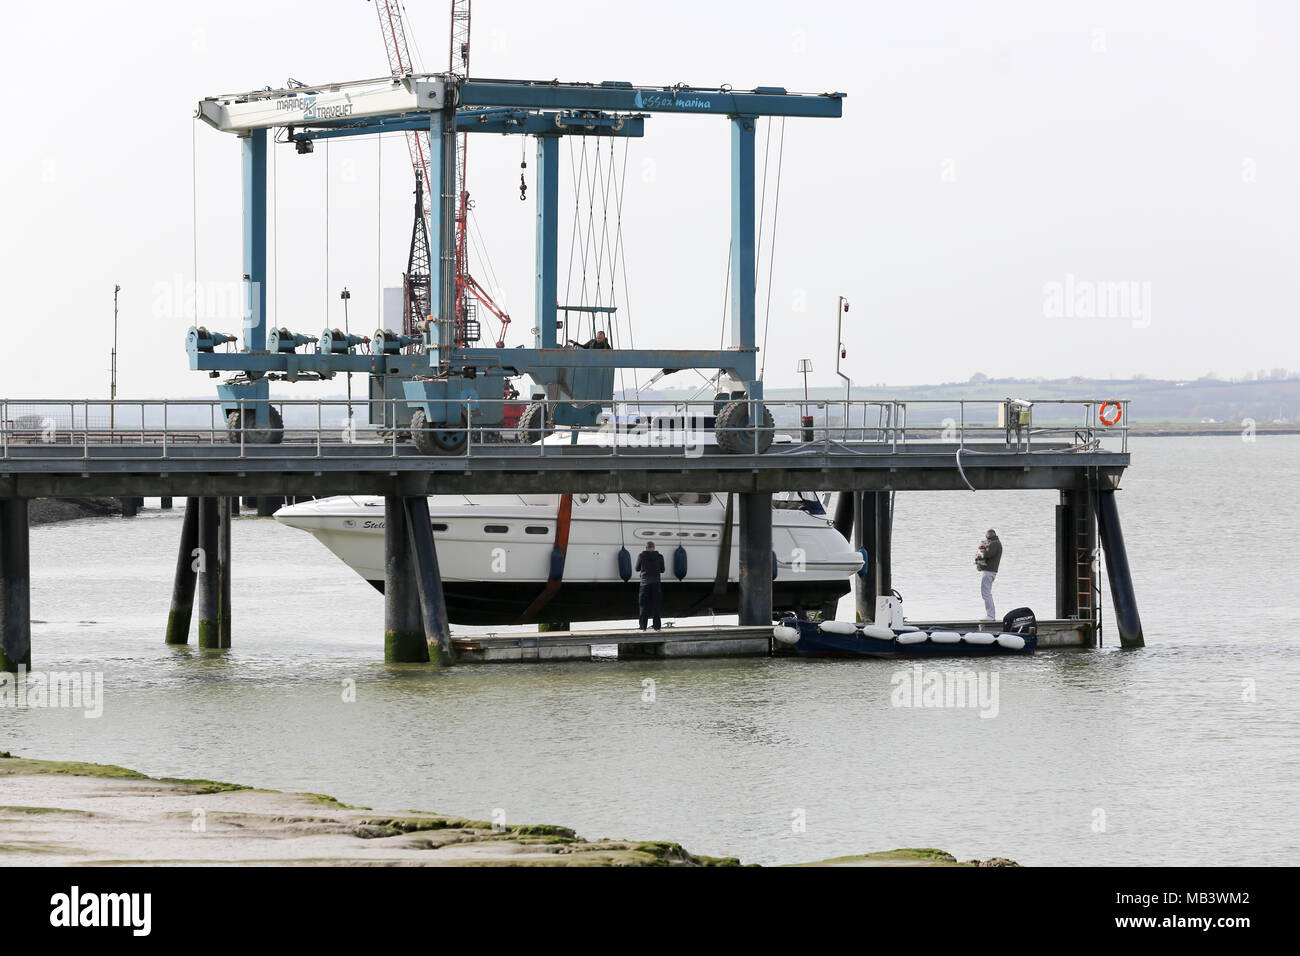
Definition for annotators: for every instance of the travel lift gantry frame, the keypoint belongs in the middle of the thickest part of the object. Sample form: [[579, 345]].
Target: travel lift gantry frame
[[439, 377]]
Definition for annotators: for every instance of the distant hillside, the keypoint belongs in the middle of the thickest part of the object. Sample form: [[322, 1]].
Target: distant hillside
[[1153, 401]]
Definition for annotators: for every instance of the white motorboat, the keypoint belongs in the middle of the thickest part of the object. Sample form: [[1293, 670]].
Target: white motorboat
[[495, 552]]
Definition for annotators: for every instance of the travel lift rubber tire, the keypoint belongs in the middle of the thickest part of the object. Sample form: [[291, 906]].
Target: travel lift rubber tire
[[429, 440], [253, 435], [751, 441], [532, 425]]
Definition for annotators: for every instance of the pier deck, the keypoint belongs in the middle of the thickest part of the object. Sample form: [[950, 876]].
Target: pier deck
[[706, 640], [310, 468]]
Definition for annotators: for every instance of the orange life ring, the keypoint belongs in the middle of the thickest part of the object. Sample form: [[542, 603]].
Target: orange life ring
[[1101, 413]]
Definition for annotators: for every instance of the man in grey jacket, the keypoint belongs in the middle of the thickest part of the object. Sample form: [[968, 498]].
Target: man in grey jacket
[[987, 560]]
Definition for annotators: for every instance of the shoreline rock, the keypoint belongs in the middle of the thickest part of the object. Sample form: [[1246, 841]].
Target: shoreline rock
[[54, 510], [67, 813]]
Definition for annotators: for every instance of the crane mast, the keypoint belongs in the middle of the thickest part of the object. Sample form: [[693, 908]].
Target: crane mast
[[400, 63]]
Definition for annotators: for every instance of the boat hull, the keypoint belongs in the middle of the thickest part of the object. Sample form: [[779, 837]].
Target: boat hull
[[814, 642], [492, 603]]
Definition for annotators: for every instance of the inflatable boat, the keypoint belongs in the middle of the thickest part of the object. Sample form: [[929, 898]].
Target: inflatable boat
[[1018, 635]]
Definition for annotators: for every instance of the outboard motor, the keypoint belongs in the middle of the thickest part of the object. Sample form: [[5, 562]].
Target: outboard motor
[[1020, 621]]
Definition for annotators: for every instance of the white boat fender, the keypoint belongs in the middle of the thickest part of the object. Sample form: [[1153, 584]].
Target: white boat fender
[[905, 629], [845, 628], [786, 635], [913, 637], [878, 631], [945, 637], [979, 637], [1013, 642]]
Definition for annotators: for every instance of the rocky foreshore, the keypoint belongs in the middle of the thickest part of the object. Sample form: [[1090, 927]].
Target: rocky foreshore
[[52, 510], [67, 814]]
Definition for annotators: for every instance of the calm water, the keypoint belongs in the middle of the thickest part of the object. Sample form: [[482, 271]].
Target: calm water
[[1164, 742]]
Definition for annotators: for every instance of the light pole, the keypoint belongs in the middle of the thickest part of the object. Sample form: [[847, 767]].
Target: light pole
[[112, 382], [806, 366], [841, 307], [345, 295]]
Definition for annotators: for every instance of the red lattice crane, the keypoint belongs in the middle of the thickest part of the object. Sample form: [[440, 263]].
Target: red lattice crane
[[400, 63]]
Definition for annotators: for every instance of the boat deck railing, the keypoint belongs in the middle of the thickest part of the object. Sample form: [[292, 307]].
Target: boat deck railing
[[193, 428]]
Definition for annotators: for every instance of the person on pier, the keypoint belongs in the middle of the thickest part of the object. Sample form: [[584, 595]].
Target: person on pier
[[988, 557], [650, 565]]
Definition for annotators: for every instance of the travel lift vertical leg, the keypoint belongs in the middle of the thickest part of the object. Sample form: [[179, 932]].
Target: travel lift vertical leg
[[547, 247], [182, 609], [742, 259], [15, 586]]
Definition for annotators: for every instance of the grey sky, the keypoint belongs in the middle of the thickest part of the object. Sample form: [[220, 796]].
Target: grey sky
[[987, 150]]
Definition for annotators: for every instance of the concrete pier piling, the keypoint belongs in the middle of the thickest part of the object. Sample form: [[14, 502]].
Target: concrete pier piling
[[873, 522], [428, 580], [209, 575], [182, 609], [404, 641], [1123, 599], [15, 586], [225, 510], [755, 558], [1076, 549]]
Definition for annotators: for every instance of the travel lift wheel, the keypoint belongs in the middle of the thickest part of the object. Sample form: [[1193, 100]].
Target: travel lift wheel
[[437, 441], [747, 439], [253, 435], [532, 424]]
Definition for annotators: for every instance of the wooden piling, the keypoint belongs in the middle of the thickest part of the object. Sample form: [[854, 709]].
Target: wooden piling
[[182, 609], [404, 641], [224, 512], [1123, 600], [209, 581], [428, 580], [755, 558], [15, 586]]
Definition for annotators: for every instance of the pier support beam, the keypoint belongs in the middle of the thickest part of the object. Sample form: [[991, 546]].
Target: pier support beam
[[428, 582], [209, 581], [404, 641], [1076, 549], [755, 558], [15, 586], [873, 530], [182, 609], [1123, 600], [225, 509]]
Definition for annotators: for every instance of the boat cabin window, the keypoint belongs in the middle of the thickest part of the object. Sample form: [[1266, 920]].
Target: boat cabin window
[[438, 527], [672, 498], [496, 528], [536, 529]]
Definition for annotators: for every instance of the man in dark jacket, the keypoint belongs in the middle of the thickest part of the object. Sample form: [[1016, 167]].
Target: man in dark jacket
[[599, 342], [650, 565], [987, 560]]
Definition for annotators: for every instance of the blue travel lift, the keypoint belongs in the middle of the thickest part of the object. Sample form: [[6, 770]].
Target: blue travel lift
[[439, 378]]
